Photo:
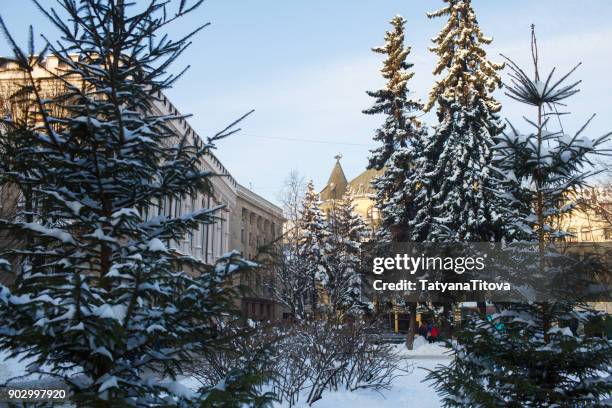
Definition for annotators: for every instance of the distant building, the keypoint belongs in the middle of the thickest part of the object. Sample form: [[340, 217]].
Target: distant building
[[246, 222], [360, 187], [591, 229], [593, 221], [255, 222]]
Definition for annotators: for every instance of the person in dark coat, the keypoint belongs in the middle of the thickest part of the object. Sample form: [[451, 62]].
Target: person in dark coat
[[422, 329]]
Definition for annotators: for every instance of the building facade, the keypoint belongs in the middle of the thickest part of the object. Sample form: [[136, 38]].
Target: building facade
[[256, 223], [361, 189], [246, 220]]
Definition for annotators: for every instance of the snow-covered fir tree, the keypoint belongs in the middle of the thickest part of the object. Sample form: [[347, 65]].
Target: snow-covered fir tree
[[101, 300], [534, 354], [400, 136], [341, 279], [456, 180], [313, 248]]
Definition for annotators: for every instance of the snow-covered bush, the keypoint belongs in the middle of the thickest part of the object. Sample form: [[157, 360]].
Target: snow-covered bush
[[315, 357], [341, 355], [254, 352], [305, 360]]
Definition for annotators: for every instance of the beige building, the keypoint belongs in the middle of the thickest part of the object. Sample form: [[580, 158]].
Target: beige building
[[593, 222], [591, 228], [255, 223], [246, 222], [360, 187]]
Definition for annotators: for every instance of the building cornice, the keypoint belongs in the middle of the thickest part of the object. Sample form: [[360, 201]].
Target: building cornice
[[259, 201]]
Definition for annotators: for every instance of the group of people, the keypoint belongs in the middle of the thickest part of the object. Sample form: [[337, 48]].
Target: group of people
[[429, 331]]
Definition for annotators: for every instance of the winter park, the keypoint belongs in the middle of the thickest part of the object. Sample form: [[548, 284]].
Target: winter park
[[398, 203]]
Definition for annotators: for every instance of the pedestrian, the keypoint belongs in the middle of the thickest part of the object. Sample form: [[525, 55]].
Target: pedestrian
[[433, 334], [422, 330]]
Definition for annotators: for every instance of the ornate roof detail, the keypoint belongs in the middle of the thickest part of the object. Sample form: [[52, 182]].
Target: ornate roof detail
[[337, 183]]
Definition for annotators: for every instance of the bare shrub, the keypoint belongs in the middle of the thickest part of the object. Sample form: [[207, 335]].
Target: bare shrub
[[307, 359]]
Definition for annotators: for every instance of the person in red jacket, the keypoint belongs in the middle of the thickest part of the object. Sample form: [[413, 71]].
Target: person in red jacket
[[434, 332]]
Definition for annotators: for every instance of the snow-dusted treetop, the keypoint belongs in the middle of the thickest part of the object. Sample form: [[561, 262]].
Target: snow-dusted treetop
[[460, 48]]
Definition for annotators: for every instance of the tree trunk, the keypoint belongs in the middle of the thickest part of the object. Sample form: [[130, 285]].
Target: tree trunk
[[482, 309], [447, 316], [412, 307]]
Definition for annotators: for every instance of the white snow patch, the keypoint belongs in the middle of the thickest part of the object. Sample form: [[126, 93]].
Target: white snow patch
[[108, 311], [110, 382], [155, 245]]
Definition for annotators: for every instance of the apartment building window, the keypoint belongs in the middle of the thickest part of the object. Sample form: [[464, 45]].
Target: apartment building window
[[373, 214], [168, 207], [607, 233], [585, 234], [204, 234], [574, 235], [62, 64], [221, 236], [178, 208], [212, 242], [242, 238]]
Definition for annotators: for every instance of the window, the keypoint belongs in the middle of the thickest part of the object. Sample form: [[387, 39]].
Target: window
[[573, 237], [607, 233], [222, 236], [585, 234], [373, 214]]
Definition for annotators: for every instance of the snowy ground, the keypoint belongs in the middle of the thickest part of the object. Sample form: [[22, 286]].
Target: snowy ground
[[407, 391]]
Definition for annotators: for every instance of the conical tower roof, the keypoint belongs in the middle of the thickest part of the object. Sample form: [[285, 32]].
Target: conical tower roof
[[336, 185]]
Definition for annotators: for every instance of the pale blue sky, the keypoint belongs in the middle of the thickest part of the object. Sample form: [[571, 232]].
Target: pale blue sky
[[304, 67]]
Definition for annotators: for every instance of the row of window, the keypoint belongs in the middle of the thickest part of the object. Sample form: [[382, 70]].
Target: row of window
[[586, 234], [208, 241], [258, 310]]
